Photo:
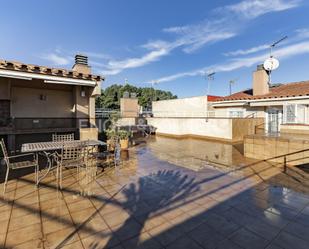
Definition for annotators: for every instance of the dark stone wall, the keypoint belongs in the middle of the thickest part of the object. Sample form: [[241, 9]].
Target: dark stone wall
[[4, 111]]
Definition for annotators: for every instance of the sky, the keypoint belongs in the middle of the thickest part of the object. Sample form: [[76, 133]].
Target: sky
[[171, 45]]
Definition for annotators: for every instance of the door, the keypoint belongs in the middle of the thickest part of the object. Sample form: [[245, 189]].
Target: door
[[273, 121]]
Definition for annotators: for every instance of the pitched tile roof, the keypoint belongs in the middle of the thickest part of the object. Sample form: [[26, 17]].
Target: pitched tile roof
[[277, 91], [60, 72], [213, 97]]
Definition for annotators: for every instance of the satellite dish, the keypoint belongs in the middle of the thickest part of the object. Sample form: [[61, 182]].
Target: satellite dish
[[271, 64]]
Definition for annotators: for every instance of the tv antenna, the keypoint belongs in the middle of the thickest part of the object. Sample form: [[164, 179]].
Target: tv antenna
[[232, 82], [210, 77], [275, 43], [272, 63], [153, 83]]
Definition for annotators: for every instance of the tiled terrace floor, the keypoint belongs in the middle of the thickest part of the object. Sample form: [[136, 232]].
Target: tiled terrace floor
[[150, 203]]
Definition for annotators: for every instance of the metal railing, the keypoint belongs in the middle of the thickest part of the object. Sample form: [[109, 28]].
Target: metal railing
[[38, 123]]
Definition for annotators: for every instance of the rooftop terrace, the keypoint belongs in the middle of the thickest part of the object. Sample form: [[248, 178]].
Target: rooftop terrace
[[152, 201]]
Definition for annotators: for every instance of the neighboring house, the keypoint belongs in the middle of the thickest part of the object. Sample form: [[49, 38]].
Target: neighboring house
[[284, 107], [283, 135], [36, 101]]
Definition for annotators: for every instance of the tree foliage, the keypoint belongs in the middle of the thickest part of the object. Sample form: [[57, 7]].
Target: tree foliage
[[110, 97]]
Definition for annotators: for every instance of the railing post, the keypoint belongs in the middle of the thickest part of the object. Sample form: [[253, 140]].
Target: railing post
[[284, 164]]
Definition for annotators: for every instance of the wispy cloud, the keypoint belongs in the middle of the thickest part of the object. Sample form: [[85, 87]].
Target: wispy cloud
[[225, 23], [56, 59], [97, 55], [254, 8], [282, 53], [247, 51], [192, 37], [115, 67], [302, 33]]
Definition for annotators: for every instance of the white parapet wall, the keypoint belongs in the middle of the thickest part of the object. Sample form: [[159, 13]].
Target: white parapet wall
[[186, 107], [188, 116], [221, 129]]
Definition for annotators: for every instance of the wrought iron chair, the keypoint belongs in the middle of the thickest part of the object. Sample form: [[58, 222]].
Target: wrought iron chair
[[72, 155], [110, 156], [63, 137], [18, 165]]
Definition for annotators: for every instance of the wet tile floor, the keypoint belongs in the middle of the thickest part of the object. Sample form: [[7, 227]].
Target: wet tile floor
[[151, 202]]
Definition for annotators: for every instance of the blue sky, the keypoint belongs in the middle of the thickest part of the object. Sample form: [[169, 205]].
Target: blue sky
[[173, 43]]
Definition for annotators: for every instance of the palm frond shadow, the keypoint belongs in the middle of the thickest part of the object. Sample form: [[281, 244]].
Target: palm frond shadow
[[150, 194]]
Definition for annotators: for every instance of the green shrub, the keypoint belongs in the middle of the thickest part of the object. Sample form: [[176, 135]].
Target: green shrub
[[123, 134]]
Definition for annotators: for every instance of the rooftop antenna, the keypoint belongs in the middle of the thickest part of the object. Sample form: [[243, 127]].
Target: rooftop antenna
[[272, 63], [153, 84], [210, 77], [275, 43], [232, 82]]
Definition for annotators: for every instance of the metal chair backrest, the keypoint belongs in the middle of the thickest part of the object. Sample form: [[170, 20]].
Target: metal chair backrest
[[63, 137], [5, 152], [74, 150]]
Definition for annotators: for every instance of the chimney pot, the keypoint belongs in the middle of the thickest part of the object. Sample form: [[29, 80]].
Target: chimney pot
[[81, 59], [81, 64]]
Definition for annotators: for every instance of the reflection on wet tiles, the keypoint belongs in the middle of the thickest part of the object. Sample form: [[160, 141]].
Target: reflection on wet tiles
[[149, 201]]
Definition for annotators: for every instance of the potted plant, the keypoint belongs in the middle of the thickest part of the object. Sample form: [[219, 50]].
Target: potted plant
[[124, 138], [110, 135]]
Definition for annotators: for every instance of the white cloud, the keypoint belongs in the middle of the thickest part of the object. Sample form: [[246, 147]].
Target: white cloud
[[115, 67], [282, 53], [302, 33], [97, 55], [255, 8], [247, 51], [192, 37], [56, 59]]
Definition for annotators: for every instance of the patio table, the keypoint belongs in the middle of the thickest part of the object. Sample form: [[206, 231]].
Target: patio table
[[47, 148]]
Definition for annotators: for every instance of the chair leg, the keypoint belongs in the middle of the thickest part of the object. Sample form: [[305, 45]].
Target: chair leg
[[36, 175], [57, 175], [6, 178], [60, 178]]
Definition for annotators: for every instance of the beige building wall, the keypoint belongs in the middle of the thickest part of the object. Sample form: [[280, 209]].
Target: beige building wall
[[260, 82], [27, 102], [274, 149], [129, 107], [81, 103]]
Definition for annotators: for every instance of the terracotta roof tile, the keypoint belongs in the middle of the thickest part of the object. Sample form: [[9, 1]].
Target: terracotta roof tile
[[18, 66], [279, 91]]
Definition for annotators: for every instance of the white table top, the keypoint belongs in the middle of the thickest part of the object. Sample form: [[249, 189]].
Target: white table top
[[49, 146]]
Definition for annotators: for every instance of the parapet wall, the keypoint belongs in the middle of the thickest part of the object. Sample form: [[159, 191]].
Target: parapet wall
[[224, 129]]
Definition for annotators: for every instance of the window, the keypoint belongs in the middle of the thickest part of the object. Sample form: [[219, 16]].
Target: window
[[295, 114], [289, 113], [236, 114]]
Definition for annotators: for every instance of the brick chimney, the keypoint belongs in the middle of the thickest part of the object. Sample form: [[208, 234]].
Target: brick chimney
[[260, 81], [81, 64]]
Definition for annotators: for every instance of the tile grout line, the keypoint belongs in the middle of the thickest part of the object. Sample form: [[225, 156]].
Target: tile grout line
[[282, 229], [43, 239], [70, 217], [12, 206], [102, 206]]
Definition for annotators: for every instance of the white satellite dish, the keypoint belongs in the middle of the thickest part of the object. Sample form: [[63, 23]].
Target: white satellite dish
[[271, 64]]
